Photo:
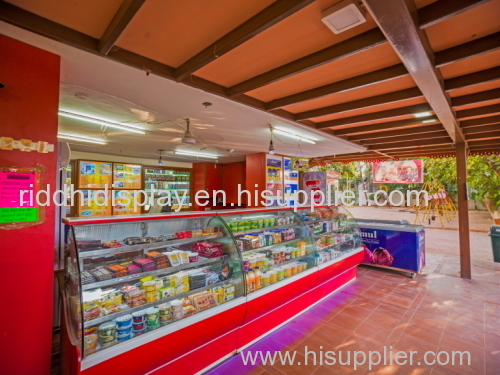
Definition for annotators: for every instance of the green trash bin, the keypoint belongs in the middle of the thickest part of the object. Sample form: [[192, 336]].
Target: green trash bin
[[495, 242]]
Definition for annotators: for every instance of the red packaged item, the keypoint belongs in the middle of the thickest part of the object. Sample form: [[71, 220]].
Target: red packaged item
[[208, 249], [185, 234], [145, 264]]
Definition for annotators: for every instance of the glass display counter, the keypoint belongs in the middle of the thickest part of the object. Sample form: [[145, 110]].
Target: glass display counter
[[137, 283], [130, 278]]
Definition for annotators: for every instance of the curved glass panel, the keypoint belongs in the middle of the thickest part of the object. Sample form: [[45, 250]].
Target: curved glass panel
[[140, 276], [334, 231], [274, 246]]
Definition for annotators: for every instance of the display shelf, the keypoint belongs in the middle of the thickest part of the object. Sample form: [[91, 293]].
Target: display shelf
[[297, 259], [150, 245], [340, 230], [257, 230], [270, 246], [161, 271], [105, 318]]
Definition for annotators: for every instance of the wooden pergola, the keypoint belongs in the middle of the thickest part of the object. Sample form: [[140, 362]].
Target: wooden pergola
[[438, 59]]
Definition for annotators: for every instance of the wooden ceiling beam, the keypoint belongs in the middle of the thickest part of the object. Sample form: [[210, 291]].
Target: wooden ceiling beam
[[120, 21], [414, 92], [442, 10], [29, 21], [392, 125], [392, 97], [429, 15], [483, 142], [397, 133], [481, 129], [479, 97], [479, 111], [396, 22], [472, 79], [467, 50], [367, 40], [382, 115], [409, 144], [403, 138], [270, 16], [363, 80], [480, 121], [484, 136]]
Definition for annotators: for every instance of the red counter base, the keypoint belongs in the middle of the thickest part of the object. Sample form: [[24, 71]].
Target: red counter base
[[202, 345]]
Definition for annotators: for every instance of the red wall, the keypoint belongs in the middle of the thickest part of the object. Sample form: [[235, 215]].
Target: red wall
[[233, 175], [29, 104], [256, 175]]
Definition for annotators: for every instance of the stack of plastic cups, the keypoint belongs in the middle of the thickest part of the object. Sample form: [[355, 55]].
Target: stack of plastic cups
[[123, 327], [139, 322], [152, 318], [107, 334]]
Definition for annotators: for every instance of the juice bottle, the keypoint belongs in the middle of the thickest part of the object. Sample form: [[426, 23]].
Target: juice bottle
[[250, 281], [258, 278]]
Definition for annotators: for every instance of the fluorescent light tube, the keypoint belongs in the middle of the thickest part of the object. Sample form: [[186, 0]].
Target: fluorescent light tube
[[97, 121], [428, 121], [293, 135], [81, 138], [195, 154], [422, 114]]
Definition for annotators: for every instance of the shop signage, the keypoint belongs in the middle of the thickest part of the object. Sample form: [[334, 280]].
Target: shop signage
[[398, 172]]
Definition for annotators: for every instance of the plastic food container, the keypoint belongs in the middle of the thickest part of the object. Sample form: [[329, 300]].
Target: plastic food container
[[121, 338], [149, 286], [152, 314], [139, 316], [193, 257], [90, 343], [288, 271], [152, 328], [139, 326], [124, 330], [107, 329], [280, 273], [140, 331], [123, 321]]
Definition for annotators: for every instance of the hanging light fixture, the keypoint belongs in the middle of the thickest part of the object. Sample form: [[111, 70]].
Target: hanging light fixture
[[271, 146], [160, 152]]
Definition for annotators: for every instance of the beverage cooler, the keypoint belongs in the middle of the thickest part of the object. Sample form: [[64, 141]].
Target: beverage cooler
[[181, 292]]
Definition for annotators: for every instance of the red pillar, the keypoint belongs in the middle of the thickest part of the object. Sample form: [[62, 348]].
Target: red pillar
[[29, 103]]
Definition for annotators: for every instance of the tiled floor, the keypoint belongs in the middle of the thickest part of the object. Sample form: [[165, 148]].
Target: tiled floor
[[436, 311]]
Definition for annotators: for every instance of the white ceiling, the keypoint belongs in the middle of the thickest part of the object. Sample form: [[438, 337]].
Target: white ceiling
[[97, 86]]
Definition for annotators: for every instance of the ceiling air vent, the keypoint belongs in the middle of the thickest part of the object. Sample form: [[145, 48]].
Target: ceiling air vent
[[344, 16]]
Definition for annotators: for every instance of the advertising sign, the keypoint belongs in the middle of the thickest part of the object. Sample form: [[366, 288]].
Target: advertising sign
[[398, 172], [300, 164]]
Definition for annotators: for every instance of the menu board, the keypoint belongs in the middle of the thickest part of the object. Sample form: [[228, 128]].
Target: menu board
[[127, 176], [13, 209], [94, 175], [95, 203], [124, 203]]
